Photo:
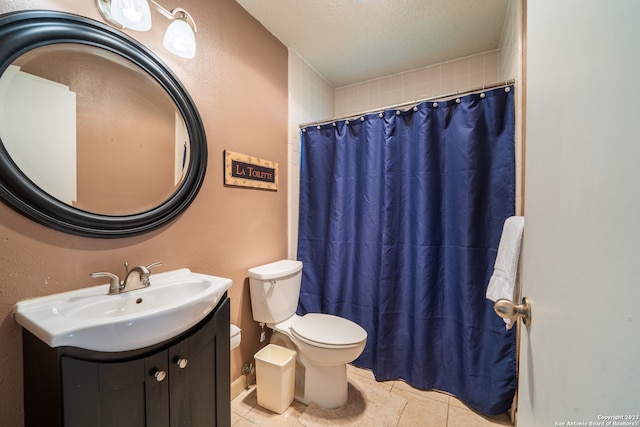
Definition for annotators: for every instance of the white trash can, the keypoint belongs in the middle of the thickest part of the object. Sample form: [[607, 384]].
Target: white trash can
[[275, 377]]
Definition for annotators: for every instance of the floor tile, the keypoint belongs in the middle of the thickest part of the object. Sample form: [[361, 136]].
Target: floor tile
[[353, 370], [421, 410], [371, 403], [454, 401], [235, 418], [265, 418], [431, 394], [244, 402], [463, 417], [243, 422], [365, 378]]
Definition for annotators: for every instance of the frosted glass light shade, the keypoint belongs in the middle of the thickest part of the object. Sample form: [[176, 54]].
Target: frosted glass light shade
[[133, 14], [179, 39]]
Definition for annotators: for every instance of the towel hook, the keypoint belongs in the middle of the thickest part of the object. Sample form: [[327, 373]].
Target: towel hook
[[507, 309]]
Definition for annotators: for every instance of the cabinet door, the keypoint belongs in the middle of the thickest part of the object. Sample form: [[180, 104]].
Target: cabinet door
[[103, 394], [192, 373], [157, 390]]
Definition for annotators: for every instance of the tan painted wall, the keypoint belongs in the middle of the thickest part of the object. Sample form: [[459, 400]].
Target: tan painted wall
[[126, 133], [238, 81]]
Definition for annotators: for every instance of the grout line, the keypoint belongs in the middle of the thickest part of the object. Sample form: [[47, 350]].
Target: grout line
[[446, 423]]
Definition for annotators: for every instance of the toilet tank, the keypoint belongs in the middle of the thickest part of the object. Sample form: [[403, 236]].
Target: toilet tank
[[275, 289]]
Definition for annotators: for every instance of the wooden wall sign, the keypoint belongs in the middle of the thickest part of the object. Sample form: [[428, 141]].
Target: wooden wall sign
[[247, 171]]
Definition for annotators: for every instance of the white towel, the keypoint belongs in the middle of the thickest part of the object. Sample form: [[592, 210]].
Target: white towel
[[503, 281]]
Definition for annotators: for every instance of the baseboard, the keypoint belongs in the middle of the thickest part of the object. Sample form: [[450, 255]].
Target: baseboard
[[237, 387]]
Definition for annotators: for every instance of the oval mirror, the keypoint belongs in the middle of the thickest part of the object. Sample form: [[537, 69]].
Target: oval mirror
[[97, 136]]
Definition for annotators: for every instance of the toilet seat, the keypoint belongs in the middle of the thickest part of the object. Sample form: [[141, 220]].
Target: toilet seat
[[328, 331]]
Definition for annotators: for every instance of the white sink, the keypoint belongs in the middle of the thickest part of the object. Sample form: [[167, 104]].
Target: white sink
[[89, 318]]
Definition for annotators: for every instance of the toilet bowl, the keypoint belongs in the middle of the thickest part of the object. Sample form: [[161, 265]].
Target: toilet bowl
[[235, 336], [324, 343]]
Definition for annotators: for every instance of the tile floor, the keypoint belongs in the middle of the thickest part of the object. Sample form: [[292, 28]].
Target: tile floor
[[370, 404]]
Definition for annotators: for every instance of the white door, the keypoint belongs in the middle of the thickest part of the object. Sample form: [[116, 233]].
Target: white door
[[580, 356], [38, 130]]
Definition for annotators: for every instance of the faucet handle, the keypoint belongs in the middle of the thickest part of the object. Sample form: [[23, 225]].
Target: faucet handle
[[114, 281], [155, 264], [144, 277]]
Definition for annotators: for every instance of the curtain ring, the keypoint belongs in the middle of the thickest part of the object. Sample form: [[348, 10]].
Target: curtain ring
[[362, 119], [333, 124], [381, 115], [398, 112], [346, 122], [507, 89], [304, 130], [457, 100], [482, 95], [435, 105], [318, 127]]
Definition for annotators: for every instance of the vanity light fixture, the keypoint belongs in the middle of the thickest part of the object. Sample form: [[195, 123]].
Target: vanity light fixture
[[179, 38], [132, 14]]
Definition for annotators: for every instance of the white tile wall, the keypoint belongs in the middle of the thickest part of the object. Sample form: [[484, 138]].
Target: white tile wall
[[447, 77], [311, 98], [511, 66]]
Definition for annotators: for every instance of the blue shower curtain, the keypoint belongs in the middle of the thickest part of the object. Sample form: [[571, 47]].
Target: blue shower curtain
[[400, 219]]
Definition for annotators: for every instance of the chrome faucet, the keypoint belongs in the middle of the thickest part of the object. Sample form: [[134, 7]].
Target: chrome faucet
[[137, 278]]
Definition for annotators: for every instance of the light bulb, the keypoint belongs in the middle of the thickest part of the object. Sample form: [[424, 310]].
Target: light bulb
[[133, 14], [180, 40]]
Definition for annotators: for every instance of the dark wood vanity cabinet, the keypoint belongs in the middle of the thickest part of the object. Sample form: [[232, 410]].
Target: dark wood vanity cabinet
[[181, 382]]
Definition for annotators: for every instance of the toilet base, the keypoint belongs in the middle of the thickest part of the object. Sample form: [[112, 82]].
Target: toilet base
[[326, 386]]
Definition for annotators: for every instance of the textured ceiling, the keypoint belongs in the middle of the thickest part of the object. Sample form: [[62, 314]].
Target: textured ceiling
[[350, 41]]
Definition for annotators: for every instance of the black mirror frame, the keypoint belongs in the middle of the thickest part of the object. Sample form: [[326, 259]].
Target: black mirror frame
[[26, 30]]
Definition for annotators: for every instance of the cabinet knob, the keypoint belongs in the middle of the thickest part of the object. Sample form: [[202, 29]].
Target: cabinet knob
[[182, 363], [160, 375]]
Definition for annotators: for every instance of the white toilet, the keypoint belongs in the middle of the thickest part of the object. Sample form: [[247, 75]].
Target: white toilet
[[324, 343]]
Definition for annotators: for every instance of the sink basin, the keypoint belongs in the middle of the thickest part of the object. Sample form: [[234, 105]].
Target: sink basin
[[89, 318]]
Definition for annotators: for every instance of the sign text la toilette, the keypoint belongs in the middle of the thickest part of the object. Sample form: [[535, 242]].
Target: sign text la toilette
[[247, 171]]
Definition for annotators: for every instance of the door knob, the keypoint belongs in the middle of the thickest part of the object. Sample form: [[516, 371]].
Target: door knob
[[182, 363], [507, 309]]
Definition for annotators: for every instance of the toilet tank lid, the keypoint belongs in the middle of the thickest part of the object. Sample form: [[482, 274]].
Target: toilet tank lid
[[275, 270]]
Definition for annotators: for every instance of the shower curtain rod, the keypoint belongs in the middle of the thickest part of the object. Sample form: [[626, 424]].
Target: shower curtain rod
[[410, 103]]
